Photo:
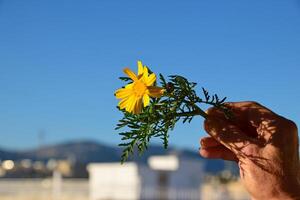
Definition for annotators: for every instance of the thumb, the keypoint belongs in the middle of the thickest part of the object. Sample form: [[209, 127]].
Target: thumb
[[228, 134]]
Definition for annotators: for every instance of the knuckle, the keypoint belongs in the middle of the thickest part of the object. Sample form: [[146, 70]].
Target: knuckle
[[244, 104], [291, 125], [211, 110], [254, 103], [287, 124]]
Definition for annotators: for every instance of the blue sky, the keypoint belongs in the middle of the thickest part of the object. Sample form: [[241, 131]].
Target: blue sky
[[60, 60]]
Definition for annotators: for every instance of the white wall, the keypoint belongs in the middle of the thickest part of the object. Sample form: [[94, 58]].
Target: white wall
[[114, 181], [131, 181], [188, 176]]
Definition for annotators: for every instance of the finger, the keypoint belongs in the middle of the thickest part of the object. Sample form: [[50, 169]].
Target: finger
[[248, 116], [219, 152], [244, 111], [227, 134], [236, 119], [249, 112], [209, 141], [215, 112]]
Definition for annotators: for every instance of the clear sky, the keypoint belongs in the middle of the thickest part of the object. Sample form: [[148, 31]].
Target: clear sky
[[60, 60]]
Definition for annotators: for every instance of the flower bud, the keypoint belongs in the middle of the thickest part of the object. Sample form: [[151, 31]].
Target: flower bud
[[169, 87]]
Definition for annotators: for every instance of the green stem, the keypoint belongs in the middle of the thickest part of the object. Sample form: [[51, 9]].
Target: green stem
[[201, 112], [196, 112]]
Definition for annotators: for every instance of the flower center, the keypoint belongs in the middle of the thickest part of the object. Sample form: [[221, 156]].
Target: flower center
[[139, 88]]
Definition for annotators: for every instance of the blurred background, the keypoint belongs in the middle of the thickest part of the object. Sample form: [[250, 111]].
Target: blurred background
[[59, 66]]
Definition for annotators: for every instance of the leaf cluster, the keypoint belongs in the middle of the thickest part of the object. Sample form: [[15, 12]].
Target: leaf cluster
[[179, 102]]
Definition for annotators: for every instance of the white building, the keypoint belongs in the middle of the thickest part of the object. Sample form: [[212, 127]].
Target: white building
[[165, 177]]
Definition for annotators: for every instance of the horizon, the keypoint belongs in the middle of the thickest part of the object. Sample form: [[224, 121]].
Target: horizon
[[60, 61], [78, 140]]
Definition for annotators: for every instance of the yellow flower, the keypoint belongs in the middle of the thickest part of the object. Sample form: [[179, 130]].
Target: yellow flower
[[138, 93]]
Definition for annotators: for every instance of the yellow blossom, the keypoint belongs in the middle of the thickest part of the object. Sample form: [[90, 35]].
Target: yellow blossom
[[137, 94]]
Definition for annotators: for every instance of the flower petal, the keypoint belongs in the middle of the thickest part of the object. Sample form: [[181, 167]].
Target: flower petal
[[129, 86], [146, 100], [138, 107], [140, 68], [123, 103], [131, 103], [123, 93], [145, 74], [151, 79], [130, 74], [155, 91]]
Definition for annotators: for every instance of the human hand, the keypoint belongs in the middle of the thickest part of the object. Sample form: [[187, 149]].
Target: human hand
[[264, 144]]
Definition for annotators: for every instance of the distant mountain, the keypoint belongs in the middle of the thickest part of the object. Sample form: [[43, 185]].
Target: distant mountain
[[79, 151], [85, 152], [5, 155]]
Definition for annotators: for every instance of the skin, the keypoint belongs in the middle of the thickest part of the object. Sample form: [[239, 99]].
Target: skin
[[264, 144]]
